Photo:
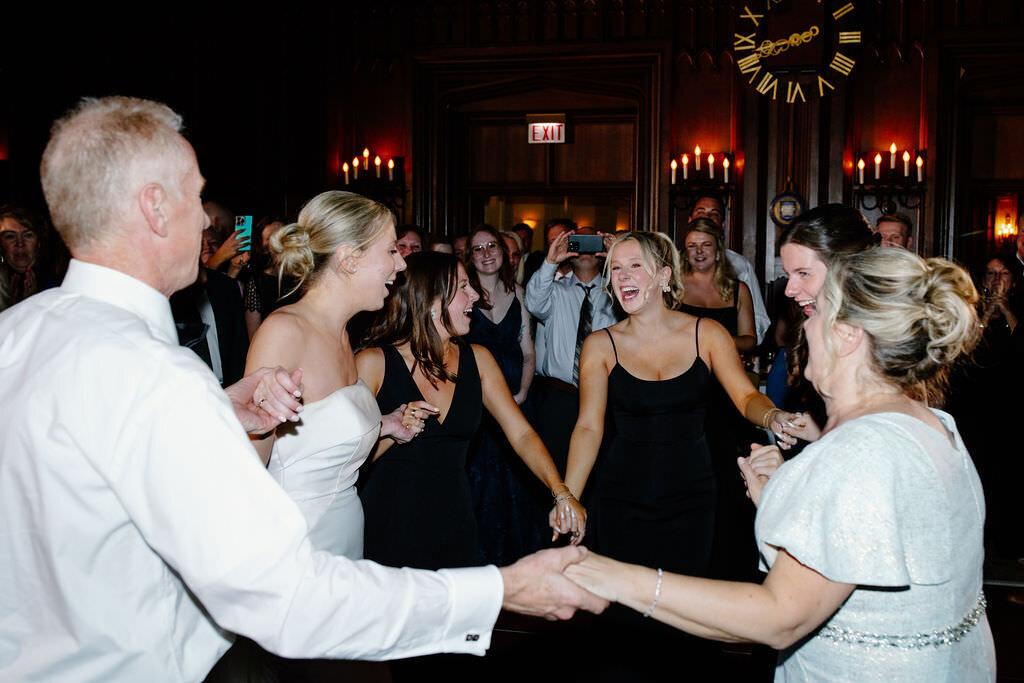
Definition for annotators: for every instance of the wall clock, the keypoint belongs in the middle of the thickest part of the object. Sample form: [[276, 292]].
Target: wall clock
[[796, 49]]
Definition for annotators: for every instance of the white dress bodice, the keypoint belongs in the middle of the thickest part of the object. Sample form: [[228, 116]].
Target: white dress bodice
[[316, 461]]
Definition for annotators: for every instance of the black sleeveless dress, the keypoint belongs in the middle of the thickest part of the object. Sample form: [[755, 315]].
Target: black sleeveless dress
[[416, 497], [654, 503]]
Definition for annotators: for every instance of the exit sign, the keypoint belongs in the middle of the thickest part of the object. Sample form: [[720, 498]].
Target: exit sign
[[547, 132], [542, 129]]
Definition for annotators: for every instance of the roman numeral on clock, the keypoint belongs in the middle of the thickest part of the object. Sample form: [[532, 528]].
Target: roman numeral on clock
[[843, 11], [842, 64], [793, 90], [769, 82]]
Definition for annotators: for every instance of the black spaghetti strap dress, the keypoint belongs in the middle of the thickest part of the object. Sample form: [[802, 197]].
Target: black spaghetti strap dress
[[416, 496], [654, 501], [653, 505]]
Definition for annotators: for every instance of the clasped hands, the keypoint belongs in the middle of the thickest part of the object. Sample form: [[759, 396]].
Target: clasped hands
[[568, 516]]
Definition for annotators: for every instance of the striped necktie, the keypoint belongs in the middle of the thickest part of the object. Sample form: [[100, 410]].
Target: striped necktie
[[582, 329]]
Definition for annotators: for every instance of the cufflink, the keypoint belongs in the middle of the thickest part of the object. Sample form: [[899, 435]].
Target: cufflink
[[472, 637]]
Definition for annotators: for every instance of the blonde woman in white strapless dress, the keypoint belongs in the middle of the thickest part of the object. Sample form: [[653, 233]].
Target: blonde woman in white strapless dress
[[342, 251]]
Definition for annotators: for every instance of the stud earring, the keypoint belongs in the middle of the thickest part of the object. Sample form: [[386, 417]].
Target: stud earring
[[433, 314]]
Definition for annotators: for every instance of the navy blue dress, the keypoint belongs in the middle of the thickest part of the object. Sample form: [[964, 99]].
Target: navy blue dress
[[511, 506]]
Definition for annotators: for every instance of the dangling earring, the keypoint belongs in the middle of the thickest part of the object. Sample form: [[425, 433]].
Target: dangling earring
[[433, 314], [665, 288]]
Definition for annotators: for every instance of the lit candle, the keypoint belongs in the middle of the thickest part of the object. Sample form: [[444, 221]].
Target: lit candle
[[725, 169], [673, 167], [376, 165], [391, 169], [906, 163], [344, 169], [920, 170], [686, 167], [860, 171], [366, 158], [892, 157], [711, 166], [355, 168], [878, 166], [696, 157]]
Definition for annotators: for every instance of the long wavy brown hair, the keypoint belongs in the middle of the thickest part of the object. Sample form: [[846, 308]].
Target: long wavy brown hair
[[407, 316]]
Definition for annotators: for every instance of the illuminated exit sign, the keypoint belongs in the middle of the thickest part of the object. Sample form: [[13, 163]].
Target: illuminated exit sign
[[544, 129]]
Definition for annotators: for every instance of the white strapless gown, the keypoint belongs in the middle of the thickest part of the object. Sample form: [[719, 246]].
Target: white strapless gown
[[317, 462]]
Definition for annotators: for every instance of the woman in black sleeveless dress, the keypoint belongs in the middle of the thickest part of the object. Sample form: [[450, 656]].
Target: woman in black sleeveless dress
[[416, 495], [655, 498]]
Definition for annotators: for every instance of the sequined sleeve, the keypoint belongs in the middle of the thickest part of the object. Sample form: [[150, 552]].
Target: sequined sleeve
[[252, 294], [864, 505]]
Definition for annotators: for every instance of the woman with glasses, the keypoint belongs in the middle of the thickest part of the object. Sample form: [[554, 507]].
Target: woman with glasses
[[509, 505]]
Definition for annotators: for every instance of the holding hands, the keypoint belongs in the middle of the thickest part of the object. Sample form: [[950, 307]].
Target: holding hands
[[537, 586], [568, 516], [758, 468], [406, 421], [266, 398], [788, 427]]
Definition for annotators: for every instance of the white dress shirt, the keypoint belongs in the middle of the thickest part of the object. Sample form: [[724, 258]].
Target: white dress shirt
[[556, 305], [138, 527], [745, 272]]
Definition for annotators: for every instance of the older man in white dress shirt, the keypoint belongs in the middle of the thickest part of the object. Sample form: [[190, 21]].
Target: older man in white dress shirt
[[138, 529]]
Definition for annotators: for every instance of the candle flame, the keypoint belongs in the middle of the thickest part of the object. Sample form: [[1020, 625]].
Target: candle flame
[[860, 164], [391, 163], [892, 148], [878, 158], [344, 167], [673, 164], [725, 162], [376, 161], [696, 150], [711, 158], [355, 162], [686, 159], [906, 156], [919, 163], [366, 151]]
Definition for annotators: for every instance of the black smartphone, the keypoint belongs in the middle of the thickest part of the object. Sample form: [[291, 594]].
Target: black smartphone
[[586, 244], [243, 224]]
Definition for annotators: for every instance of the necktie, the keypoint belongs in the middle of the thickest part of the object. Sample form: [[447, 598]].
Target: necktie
[[582, 329]]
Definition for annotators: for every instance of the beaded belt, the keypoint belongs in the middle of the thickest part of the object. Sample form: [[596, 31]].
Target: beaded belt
[[917, 641]]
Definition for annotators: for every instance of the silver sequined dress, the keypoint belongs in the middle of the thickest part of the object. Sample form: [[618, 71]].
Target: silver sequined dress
[[887, 503]]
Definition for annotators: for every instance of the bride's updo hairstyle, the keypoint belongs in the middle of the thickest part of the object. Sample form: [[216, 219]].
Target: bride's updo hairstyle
[[327, 221], [657, 252], [919, 314]]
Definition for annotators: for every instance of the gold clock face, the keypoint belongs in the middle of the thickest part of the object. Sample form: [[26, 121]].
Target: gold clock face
[[796, 49]]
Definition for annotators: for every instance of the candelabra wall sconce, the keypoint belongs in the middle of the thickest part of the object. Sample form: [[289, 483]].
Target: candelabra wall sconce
[[372, 176], [888, 181], [696, 175]]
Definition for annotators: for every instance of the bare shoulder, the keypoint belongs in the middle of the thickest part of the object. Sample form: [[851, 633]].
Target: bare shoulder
[[370, 367], [482, 355], [599, 343], [278, 341]]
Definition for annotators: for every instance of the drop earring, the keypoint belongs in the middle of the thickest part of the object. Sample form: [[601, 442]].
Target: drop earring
[[665, 288]]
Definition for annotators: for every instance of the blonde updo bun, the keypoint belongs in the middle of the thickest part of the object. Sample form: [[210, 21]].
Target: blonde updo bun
[[328, 221], [919, 313], [658, 252]]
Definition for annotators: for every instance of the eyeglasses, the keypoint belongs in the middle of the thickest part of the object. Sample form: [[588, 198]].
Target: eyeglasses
[[480, 248]]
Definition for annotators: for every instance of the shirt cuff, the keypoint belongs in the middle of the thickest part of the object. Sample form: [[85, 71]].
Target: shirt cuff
[[476, 593]]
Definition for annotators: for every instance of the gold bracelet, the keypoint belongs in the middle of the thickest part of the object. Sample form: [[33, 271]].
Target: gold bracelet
[[768, 417]]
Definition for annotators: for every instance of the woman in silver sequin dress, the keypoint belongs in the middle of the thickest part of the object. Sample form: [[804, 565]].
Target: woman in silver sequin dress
[[873, 534]]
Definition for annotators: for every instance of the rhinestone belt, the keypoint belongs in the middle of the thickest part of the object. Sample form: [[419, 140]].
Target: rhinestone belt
[[917, 641]]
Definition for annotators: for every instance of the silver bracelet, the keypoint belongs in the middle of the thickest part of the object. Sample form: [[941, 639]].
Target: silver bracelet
[[657, 594]]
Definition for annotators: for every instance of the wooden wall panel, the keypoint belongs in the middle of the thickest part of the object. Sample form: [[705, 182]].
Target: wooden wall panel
[[499, 153], [600, 152]]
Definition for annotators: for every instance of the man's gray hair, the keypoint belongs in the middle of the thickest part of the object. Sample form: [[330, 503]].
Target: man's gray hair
[[96, 154]]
